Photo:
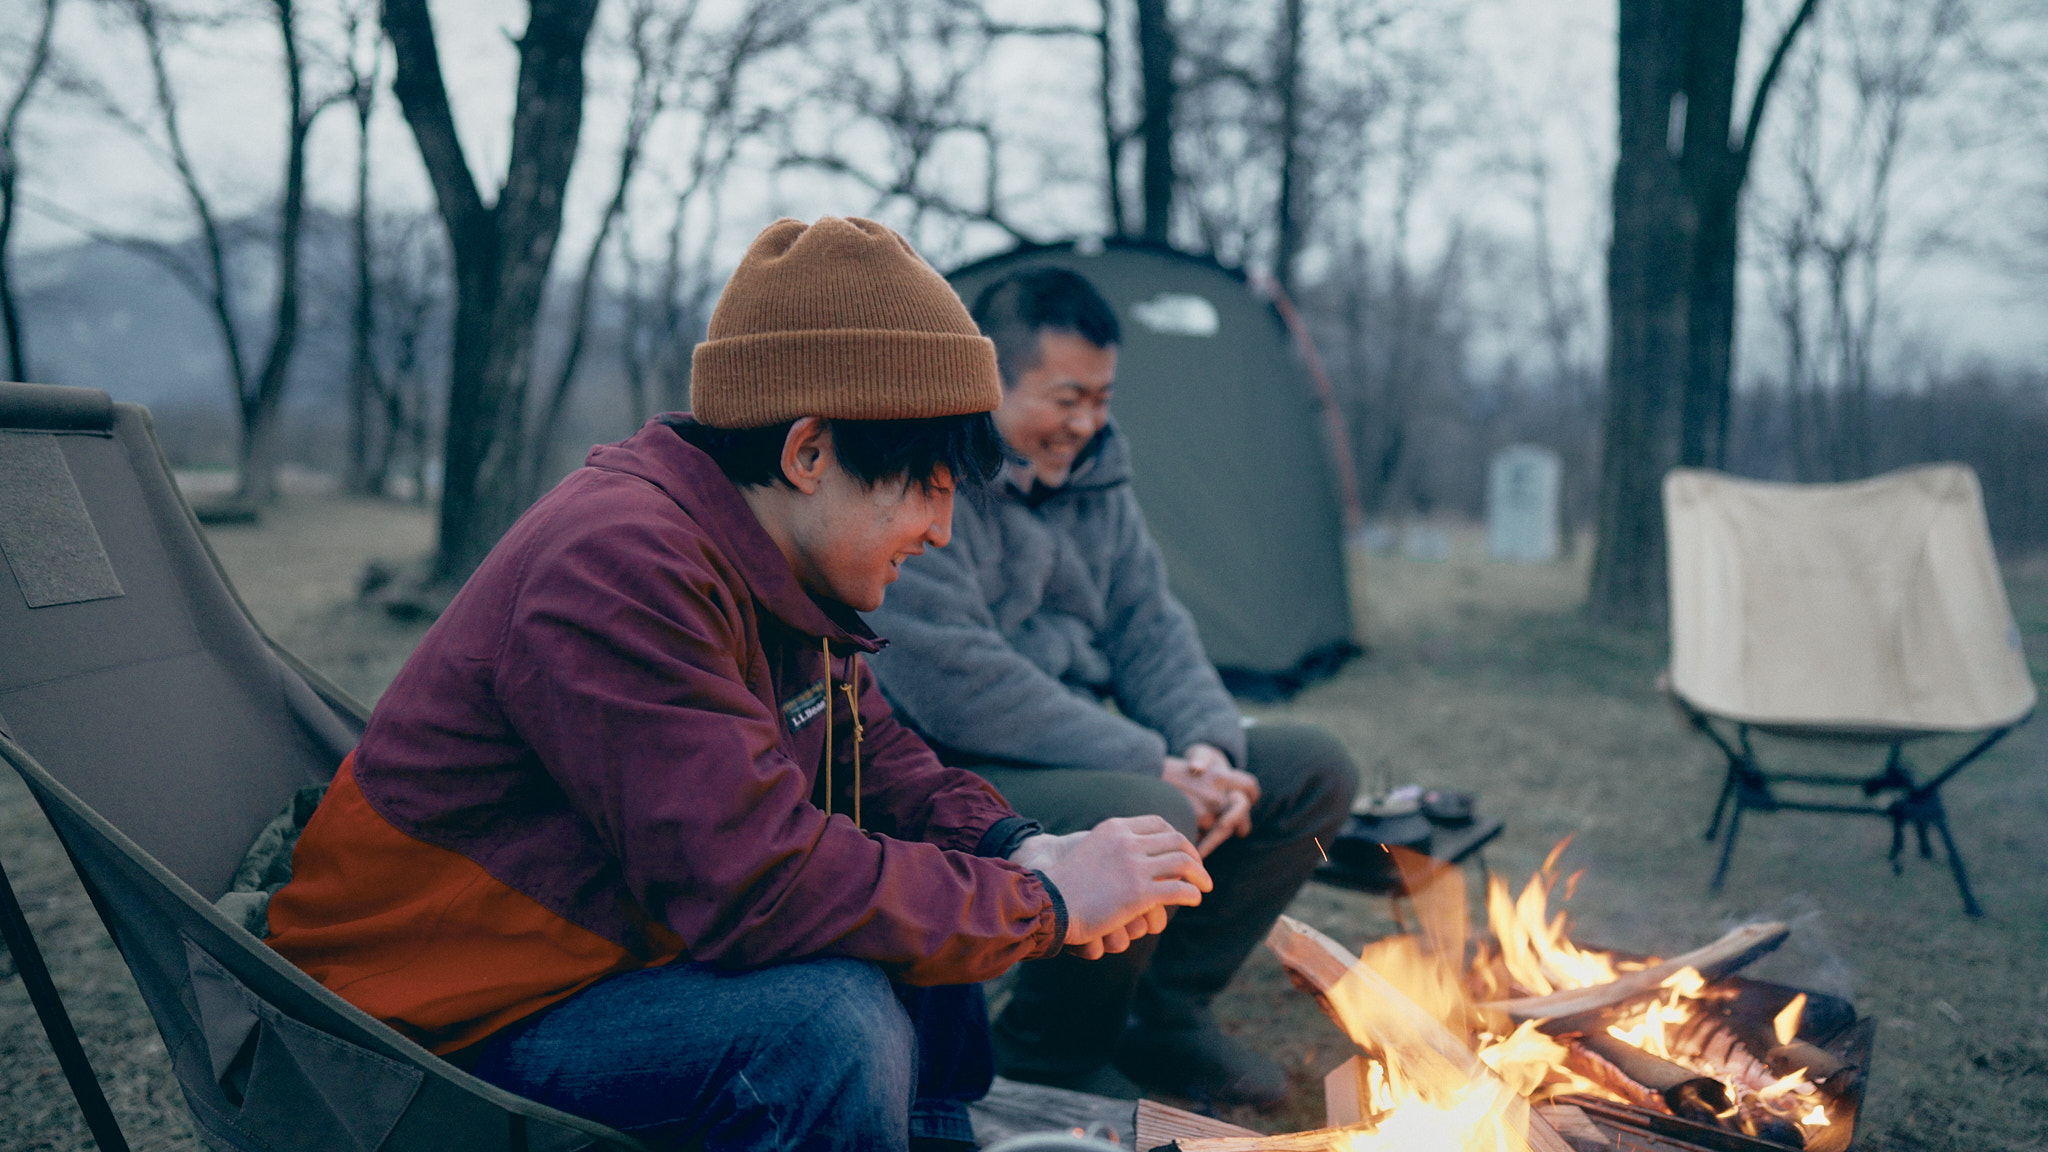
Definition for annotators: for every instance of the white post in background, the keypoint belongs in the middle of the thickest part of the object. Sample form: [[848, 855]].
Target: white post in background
[[1522, 493]]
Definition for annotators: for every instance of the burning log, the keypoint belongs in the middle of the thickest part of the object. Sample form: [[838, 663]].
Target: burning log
[[1726, 1043], [1405, 1033], [1727, 955], [1379, 1017], [1578, 1131], [1645, 1080], [1345, 1098], [1820, 1065], [1650, 1081], [1709, 1042]]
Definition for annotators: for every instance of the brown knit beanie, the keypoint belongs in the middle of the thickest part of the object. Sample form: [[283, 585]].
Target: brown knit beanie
[[842, 319]]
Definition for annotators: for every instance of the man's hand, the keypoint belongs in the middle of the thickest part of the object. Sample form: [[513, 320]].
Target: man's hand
[[1117, 879], [1221, 796]]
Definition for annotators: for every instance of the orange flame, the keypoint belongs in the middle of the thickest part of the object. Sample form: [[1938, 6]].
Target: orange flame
[[1417, 1102]]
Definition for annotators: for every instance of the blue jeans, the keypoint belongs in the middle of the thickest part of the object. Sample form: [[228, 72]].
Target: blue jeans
[[820, 1054]]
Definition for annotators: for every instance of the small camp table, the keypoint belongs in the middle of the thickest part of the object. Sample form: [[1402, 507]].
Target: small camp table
[[1449, 846]]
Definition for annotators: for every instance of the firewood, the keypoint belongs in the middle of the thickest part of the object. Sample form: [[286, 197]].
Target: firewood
[[1159, 1124], [1576, 1127], [1647, 1080], [1344, 1094], [1541, 1138], [1318, 1140], [1384, 1020], [1820, 1065], [1727, 955], [1411, 1039]]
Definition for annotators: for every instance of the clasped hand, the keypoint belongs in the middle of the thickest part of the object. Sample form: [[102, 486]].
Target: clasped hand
[[1221, 796], [1118, 879]]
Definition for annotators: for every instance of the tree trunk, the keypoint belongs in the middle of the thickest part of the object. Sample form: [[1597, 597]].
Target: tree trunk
[[362, 378], [1712, 169], [259, 408], [10, 171], [10, 314], [1710, 337], [501, 255], [1112, 135], [1156, 53], [1716, 166], [1648, 270], [1288, 79]]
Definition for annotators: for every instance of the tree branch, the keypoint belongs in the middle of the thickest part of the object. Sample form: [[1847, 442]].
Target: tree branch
[[423, 95], [1768, 81]]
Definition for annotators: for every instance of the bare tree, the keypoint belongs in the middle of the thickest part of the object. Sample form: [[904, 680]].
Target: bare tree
[[32, 71], [1831, 231], [1670, 281], [259, 405], [1158, 53], [257, 388], [689, 111], [501, 250], [1114, 135], [903, 86], [410, 292], [654, 38], [1288, 81], [363, 58]]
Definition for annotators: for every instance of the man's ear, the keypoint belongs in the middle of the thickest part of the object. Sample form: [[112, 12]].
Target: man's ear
[[807, 453]]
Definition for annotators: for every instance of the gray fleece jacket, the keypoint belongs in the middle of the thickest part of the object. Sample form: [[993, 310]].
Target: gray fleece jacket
[[1004, 644]]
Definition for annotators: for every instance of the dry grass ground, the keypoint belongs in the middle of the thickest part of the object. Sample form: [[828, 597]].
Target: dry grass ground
[[1481, 677]]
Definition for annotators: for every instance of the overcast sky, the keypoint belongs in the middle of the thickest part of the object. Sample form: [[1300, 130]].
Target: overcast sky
[[1538, 75]]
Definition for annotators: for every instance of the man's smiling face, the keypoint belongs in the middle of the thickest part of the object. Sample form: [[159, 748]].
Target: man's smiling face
[[1057, 406]]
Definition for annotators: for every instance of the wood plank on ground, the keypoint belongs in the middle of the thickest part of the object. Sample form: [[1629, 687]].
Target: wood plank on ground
[[1012, 1108]]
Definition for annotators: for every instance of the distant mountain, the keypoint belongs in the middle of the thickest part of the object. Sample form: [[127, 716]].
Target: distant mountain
[[103, 315]]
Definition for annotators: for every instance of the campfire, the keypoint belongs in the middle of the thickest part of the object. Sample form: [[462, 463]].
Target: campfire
[[1522, 1039]]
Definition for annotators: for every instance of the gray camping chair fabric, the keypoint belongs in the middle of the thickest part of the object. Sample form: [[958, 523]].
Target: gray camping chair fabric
[[1869, 611], [160, 731]]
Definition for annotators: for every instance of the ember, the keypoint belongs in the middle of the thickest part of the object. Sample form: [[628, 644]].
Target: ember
[[1461, 1038]]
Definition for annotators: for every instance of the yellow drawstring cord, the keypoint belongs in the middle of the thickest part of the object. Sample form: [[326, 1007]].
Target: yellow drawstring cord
[[852, 690], [828, 727]]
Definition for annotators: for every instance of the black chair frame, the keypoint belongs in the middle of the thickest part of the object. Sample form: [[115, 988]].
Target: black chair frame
[[1747, 787]]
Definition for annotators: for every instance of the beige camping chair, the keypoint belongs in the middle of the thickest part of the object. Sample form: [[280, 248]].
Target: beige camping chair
[[1870, 612]]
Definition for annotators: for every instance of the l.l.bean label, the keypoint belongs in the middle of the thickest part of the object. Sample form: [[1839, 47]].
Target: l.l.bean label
[[804, 707]]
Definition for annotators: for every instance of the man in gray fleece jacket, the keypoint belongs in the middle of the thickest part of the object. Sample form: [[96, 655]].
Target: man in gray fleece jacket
[[1005, 648]]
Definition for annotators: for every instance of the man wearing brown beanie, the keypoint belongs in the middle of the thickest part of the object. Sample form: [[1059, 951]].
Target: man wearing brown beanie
[[634, 834]]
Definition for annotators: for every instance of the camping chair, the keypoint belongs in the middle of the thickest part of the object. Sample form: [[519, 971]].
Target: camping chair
[[1869, 612], [159, 729]]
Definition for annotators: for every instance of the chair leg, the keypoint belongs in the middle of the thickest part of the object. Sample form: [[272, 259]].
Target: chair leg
[[42, 992], [1727, 848], [1923, 808], [1721, 805], [1955, 867]]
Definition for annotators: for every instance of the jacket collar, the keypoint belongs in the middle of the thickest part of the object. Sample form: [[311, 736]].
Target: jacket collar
[[1104, 462], [660, 456]]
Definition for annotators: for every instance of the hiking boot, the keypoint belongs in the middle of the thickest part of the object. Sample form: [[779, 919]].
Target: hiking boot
[[1201, 1062]]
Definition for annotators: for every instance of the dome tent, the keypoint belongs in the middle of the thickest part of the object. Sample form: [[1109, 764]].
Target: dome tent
[[1229, 457]]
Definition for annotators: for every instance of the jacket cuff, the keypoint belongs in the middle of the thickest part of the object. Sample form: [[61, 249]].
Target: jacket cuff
[[1004, 835], [1059, 915]]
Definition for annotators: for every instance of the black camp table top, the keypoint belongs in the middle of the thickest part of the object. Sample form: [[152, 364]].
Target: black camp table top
[[1448, 845]]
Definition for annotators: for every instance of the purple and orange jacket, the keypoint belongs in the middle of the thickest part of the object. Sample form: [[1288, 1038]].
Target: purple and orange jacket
[[610, 753]]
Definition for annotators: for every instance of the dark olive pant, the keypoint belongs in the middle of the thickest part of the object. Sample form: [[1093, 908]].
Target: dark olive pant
[[1066, 1014]]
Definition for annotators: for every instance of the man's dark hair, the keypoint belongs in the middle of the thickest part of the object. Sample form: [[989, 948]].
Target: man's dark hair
[[1015, 309], [872, 451]]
